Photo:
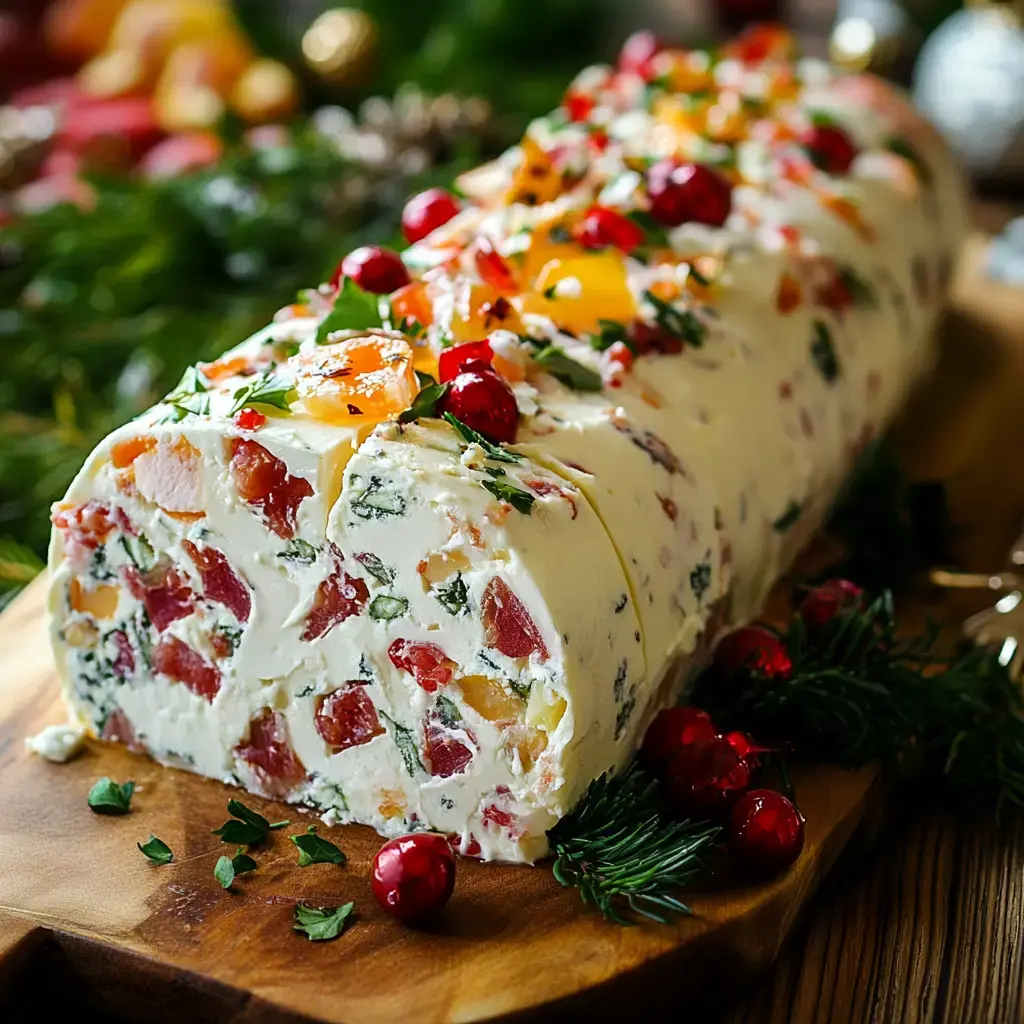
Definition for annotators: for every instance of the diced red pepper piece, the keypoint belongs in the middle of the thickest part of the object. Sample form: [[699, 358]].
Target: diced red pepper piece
[[446, 754], [166, 596], [263, 480], [503, 819], [267, 749], [454, 360], [177, 661], [338, 598], [87, 525], [124, 662], [425, 662], [507, 625], [220, 583], [602, 227], [493, 269], [347, 718], [117, 729], [250, 419], [578, 105]]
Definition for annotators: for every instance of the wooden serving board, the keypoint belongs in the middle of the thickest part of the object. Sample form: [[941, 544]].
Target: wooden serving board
[[87, 924]]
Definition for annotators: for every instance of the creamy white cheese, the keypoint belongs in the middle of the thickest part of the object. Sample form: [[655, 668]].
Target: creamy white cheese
[[58, 743]]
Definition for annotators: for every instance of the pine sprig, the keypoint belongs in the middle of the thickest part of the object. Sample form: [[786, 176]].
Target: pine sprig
[[623, 852], [859, 694]]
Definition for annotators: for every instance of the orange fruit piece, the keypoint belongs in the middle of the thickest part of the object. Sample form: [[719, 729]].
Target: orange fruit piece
[[124, 453]]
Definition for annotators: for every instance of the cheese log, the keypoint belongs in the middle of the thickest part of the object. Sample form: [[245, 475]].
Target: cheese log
[[276, 579]]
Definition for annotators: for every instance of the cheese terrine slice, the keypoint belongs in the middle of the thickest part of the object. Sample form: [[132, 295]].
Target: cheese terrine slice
[[703, 284]]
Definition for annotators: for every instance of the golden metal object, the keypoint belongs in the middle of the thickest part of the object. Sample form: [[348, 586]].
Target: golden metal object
[[341, 45]]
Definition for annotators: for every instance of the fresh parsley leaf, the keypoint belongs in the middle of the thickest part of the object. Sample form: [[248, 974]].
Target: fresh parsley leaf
[[156, 850], [376, 503], [655, 234], [448, 711], [246, 826], [320, 924], [424, 379], [268, 389], [192, 383], [299, 550], [611, 332], [405, 740], [353, 310], [454, 596], [472, 437], [314, 849], [107, 797], [520, 500], [375, 567], [385, 606], [680, 323], [571, 373], [823, 353], [227, 869], [424, 404], [190, 397]]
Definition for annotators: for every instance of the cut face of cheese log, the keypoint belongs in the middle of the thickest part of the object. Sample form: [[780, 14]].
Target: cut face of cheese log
[[297, 576]]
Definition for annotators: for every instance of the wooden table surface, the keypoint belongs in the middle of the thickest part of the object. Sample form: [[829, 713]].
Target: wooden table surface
[[927, 926]]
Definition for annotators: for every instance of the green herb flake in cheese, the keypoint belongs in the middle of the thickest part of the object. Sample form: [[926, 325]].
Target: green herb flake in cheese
[[611, 332], [353, 310], [680, 323], [267, 390], [571, 373], [299, 550], [860, 290], [424, 404], [314, 849], [454, 595], [108, 797], [320, 924], [823, 353], [470, 436], [156, 850], [375, 567], [789, 518], [139, 551], [375, 503], [228, 868], [519, 688], [405, 740], [386, 606], [700, 578], [232, 635], [655, 234], [520, 500], [448, 711]]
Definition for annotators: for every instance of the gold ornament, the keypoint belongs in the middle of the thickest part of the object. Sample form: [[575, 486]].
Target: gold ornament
[[341, 46]]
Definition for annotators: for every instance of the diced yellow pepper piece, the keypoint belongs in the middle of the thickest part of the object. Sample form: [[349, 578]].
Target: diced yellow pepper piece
[[577, 293]]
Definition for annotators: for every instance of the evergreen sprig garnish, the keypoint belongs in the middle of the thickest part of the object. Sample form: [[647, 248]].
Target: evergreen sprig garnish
[[625, 853], [859, 694]]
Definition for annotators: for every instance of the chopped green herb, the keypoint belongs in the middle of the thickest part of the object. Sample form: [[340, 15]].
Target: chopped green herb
[[860, 290], [901, 147], [448, 711], [571, 373], [698, 276], [375, 503], [823, 353], [472, 437], [246, 826], [454, 596], [405, 740], [375, 567], [268, 390], [386, 606], [321, 924], [551, 291], [232, 635], [560, 234], [611, 332], [298, 550], [139, 551], [822, 118], [520, 500], [107, 797], [314, 849], [353, 310], [424, 379], [789, 518], [156, 850], [228, 868], [680, 323], [190, 397], [655, 234], [519, 688], [424, 404]]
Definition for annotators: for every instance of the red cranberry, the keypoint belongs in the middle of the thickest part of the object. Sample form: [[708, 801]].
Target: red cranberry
[[829, 148], [426, 212], [746, 748], [752, 649], [671, 729], [374, 268], [250, 419], [578, 105], [688, 192], [484, 402], [706, 778], [602, 227], [766, 832], [645, 337], [832, 598], [637, 53], [458, 358], [413, 876]]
